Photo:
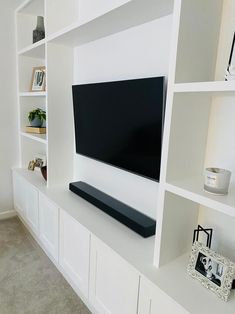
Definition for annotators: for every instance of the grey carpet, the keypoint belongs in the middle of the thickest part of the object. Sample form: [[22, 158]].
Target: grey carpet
[[29, 282]]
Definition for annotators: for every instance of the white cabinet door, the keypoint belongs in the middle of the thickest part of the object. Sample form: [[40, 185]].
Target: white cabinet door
[[19, 190], [32, 207], [113, 282], [74, 251], [48, 225], [154, 301]]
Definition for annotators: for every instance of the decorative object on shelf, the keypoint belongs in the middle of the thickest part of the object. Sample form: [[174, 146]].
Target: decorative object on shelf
[[217, 181], [31, 165], [39, 31], [31, 129], [36, 118], [44, 172], [230, 72], [40, 161], [201, 231], [38, 82], [214, 271]]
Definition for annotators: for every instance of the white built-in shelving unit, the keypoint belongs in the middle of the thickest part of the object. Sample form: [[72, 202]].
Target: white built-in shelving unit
[[28, 56], [201, 39], [196, 92]]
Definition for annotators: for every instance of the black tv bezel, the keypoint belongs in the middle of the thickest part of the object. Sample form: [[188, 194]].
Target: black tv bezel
[[162, 129]]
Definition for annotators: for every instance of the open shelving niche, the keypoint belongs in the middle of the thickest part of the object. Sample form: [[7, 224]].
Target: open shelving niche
[[197, 134], [28, 56], [195, 89], [26, 20]]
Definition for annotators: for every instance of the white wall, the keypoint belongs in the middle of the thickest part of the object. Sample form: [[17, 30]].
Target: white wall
[[141, 51], [8, 107]]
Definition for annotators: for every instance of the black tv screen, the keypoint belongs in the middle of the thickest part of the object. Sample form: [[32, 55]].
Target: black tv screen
[[120, 123]]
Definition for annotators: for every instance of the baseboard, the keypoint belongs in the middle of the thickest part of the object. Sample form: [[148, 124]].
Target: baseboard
[[7, 214]]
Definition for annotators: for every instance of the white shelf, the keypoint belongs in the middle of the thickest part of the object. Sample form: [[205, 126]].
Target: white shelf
[[36, 50], [192, 189], [114, 21], [206, 87], [32, 94], [42, 138], [174, 280]]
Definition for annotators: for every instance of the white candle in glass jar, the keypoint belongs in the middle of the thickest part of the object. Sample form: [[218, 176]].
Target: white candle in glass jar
[[217, 181]]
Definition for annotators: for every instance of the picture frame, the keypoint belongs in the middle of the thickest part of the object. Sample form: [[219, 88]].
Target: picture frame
[[206, 232], [232, 53], [38, 82], [40, 161], [214, 271], [31, 165], [230, 71]]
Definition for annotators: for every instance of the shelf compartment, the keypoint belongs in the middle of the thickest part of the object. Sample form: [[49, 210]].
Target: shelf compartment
[[216, 87], [36, 50], [201, 134], [118, 20], [42, 138], [194, 63], [25, 66], [30, 148], [192, 189], [188, 136], [190, 291], [26, 19]]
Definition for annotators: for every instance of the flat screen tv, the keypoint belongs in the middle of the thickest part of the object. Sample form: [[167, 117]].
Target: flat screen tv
[[120, 123]]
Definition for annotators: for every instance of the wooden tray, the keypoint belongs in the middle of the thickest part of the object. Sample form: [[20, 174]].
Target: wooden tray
[[31, 129]]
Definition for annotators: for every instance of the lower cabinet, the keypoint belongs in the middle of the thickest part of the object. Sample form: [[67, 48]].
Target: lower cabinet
[[74, 251], [19, 191], [154, 301], [113, 282], [111, 285], [48, 225], [32, 207], [26, 201]]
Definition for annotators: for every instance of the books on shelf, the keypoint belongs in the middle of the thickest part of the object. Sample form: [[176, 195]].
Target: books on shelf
[[31, 129]]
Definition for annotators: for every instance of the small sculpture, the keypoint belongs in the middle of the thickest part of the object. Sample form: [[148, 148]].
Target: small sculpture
[[39, 32]]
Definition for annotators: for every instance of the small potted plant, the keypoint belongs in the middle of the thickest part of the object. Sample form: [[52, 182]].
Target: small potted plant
[[37, 117]]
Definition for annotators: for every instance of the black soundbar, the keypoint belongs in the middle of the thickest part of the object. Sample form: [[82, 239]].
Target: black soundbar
[[125, 214]]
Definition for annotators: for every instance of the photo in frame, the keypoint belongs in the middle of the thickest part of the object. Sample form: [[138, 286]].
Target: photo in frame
[[40, 161], [31, 165], [38, 82], [214, 271]]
